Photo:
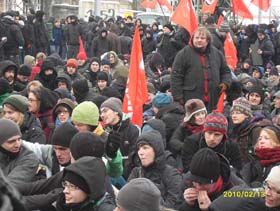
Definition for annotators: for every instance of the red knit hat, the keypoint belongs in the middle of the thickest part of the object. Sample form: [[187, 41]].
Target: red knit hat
[[216, 121], [72, 63], [82, 56]]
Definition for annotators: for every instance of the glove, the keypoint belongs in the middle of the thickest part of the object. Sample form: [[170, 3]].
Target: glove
[[223, 87], [113, 144]]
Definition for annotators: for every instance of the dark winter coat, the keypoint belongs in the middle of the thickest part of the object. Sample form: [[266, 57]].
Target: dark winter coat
[[197, 141], [31, 129], [188, 75], [267, 48], [20, 168], [48, 81], [172, 115], [126, 44], [72, 33], [216, 40], [148, 45], [41, 35], [165, 177], [4, 65], [101, 45]]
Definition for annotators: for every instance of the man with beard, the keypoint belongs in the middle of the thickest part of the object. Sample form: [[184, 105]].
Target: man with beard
[[202, 63], [8, 71]]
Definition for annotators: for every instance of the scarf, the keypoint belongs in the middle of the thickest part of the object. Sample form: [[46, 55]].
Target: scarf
[[194, 128], [268, 156], [218, 186]]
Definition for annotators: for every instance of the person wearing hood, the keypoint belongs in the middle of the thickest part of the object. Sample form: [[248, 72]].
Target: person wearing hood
[[115, 62], [208, 178], [18, 163], [101, 44], [62, 111], [14, 38], [204, 64], [122, 133], [15, 108], [92, 72], [81, 91], [22, 77], [42, 102], [150, 152], [114, 38], [8, 71], [103, 81], [47, 75], [5, 92], [63, 80], [148, 43], [41, 33]]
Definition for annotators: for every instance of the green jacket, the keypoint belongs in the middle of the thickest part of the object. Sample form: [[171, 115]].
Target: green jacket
[[114, 167]]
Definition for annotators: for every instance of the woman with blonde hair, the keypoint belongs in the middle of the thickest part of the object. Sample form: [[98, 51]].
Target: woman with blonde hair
[[15, 108], [267, 151]]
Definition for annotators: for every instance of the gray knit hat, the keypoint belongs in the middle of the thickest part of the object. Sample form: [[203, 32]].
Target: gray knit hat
[[139, 194], [19, 102], [113, 103], [8, 129], [242, 104]]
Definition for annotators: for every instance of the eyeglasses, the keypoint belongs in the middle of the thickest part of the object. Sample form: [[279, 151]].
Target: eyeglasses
[[62, 112], [69, 186], [266, 186]]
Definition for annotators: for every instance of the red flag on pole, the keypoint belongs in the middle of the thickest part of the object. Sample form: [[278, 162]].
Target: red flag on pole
[[239, 8], [136, 93], [220, 21], [82, 49], [149, 4], [165, 3], [184, 16], [230, 52], [220, 104], [209, 6], [262, 4]]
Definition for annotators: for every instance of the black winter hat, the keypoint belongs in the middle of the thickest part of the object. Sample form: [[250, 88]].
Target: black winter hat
[[257, 89], [8, 129], [47, 64], [87, 144], [95, 59], [102, 76], [80, 87], [164, 86], [24, 70], [76, 180], [205, 166], [63, 134], [169, 26], [4, 86]]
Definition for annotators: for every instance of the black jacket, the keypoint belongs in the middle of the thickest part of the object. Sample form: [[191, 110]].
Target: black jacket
[[165, 177], [197, 141]]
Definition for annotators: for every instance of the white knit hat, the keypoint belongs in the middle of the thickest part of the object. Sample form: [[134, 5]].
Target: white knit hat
[[274, 176]]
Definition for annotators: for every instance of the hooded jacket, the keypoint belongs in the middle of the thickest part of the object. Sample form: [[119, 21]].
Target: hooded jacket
[[4, 65], [93, 172], [48, 81], [101, 44], [165, 177]]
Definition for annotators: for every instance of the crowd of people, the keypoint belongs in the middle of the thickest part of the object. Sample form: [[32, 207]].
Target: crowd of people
[[66, 144]]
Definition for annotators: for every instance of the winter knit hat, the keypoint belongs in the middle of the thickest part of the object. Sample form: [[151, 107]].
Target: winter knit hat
[[63, 134], [24, 70], [114, 104], [72, 63], [76, 180], [273, 71], [242, 104], [139, 194], [161, 99], [205, 166], [192, 107], [82, 56], [86, 113], [102, 76], [274, 176], [257, 89], [105, 62], [8, 129], [169, 26], [216, 121], [80, 87], [86, 144], [95, 59], [19, 102]]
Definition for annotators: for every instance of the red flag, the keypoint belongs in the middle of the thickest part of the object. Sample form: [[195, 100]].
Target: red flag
[[136, 93], [165, 3], [220, 104], [262, 4], [149, 4], [184, 16], [239, 8], [82, 49], [209, 6], [230, 52], [220, 21]]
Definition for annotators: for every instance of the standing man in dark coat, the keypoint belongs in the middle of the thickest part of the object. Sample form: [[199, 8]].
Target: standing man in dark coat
[[41, 33], [200, 71]]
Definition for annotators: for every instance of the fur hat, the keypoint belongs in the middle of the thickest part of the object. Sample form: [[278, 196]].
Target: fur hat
[[192, 107]]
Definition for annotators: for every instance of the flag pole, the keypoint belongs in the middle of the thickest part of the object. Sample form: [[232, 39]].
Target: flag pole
[[163, 14]]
